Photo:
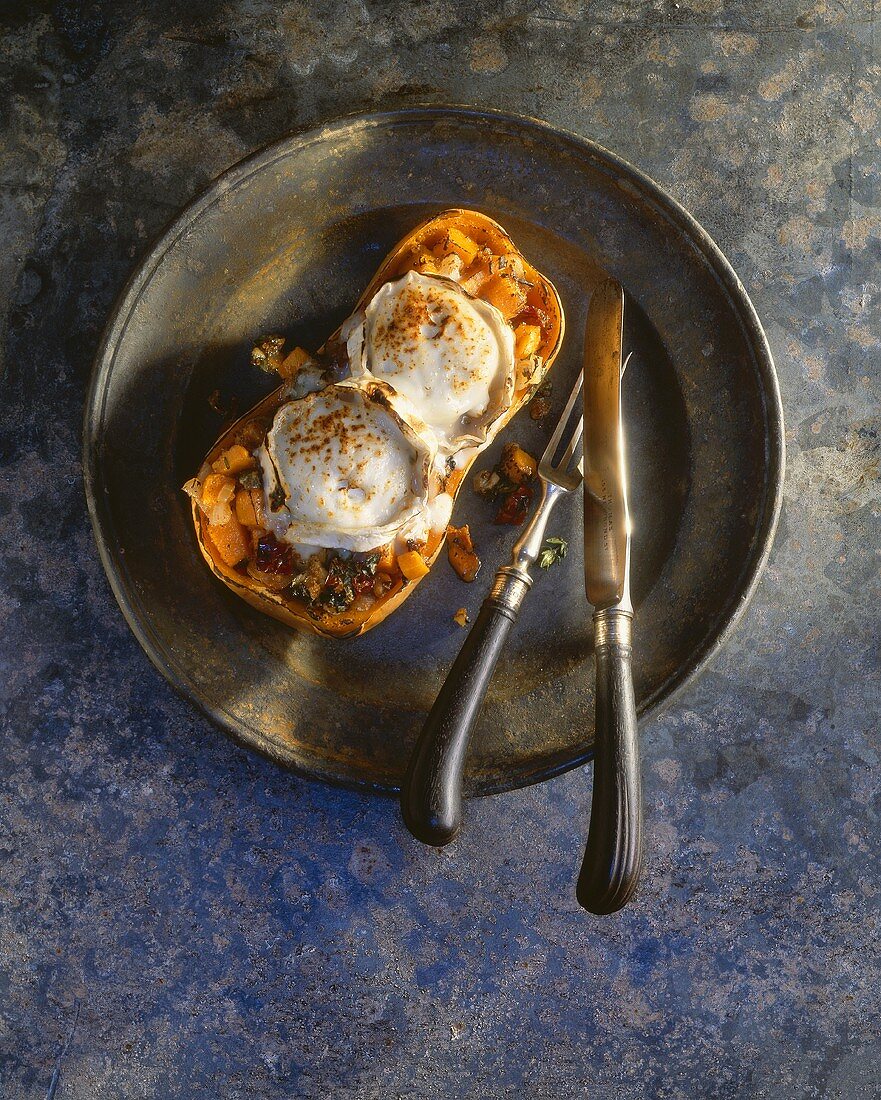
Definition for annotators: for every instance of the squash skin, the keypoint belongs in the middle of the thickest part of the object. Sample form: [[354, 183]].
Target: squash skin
[[483, 231]]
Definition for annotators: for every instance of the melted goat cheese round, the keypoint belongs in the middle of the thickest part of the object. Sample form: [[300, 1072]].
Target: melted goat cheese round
[[450, 355], [342, 469]]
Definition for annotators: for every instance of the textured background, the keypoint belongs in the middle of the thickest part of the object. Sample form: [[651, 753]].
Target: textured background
[[232, 931]]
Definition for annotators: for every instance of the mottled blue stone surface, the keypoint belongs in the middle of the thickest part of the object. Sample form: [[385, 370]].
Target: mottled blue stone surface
[[229, 930]]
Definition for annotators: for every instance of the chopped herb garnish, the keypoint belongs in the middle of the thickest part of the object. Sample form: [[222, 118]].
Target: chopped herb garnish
[[250, 479], [366, 563], [338, 597], [346, 579], [553, 550]]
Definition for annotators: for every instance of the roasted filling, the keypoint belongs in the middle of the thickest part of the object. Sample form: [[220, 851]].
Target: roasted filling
[[326, 581]]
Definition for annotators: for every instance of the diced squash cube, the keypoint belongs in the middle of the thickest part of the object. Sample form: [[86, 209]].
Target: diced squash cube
[[234, 460], [231, 540], [216, 488], [460, 551], [526, 340], [293, 361], [505, 294], [412, 565], [456, 241], [249, 508], [517, 465], [387, 562]]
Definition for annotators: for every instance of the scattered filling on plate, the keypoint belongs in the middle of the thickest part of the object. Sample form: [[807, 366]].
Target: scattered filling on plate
[[460, 551], [337, 500], [511, 482]]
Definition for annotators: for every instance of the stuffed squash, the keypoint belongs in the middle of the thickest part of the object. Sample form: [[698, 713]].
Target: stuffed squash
[[328, 502]]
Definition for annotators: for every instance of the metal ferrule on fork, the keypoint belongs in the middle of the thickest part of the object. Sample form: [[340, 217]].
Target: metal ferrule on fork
[[509, 588]]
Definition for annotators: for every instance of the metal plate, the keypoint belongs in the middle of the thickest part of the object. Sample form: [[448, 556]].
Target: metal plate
[[285, 241]]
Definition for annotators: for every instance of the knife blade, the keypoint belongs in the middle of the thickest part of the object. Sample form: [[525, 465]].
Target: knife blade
[[613, 854], [606, 515]]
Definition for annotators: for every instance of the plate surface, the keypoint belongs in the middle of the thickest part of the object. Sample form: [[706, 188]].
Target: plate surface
[[284, 242]]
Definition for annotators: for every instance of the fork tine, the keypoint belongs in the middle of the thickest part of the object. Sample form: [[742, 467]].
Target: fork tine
[[569, 453], [554, 442]]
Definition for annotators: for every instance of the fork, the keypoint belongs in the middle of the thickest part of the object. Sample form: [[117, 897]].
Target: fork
[[431, 795]]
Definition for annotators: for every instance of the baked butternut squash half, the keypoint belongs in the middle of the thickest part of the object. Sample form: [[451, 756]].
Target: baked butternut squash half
[[328, 502]]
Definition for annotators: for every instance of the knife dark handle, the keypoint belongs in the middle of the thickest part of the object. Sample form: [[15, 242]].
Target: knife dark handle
[[431, 795], [613, 859]]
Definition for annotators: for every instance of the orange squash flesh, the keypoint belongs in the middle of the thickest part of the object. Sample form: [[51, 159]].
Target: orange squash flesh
[[487, 256]]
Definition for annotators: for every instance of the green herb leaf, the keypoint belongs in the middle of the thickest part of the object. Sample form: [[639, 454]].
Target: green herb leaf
[[250, 479], [553, 550]]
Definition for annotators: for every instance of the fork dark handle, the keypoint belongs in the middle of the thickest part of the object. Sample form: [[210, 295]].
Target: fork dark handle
[[613, 859], [431, 795]]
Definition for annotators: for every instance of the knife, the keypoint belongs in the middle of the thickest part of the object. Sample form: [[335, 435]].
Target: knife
[[613, 857]]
